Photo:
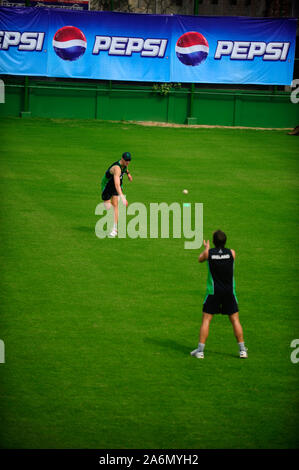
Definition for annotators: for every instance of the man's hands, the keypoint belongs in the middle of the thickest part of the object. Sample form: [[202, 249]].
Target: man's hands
[[130, 177], [206, 244], [205, 254], [124, 201]]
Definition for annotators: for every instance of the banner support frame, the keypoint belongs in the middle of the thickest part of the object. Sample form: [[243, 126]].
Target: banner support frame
[[26, 111], [191, 119]]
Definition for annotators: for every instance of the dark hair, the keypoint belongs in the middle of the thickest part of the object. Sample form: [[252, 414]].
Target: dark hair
[[219, 239], [126, 156]]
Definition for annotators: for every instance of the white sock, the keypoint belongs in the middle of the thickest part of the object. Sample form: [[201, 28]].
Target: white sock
[[201, 347]]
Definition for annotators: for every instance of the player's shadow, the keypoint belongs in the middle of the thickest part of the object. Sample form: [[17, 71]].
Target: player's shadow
[[84, 229], [221, 353], [168, 344], [182, 348]]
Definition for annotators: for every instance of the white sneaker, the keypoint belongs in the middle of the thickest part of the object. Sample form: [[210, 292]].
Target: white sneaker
[[243, 354], [113, 234], [197, 353]]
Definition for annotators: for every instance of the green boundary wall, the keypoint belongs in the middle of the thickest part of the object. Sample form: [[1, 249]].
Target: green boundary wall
[[189, 104]]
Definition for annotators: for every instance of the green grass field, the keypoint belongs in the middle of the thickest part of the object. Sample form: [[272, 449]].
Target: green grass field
[[98, 332]]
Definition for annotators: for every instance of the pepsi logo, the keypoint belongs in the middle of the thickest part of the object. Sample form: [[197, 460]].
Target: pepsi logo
[[192, 48], [69, 43]]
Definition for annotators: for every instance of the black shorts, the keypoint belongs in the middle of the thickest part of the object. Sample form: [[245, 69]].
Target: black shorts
[[108, 193], [220, 303]]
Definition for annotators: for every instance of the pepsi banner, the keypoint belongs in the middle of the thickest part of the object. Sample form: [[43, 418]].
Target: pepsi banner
[[154, 48]]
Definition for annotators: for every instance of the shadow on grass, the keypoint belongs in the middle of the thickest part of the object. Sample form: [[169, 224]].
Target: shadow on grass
[[220, 353], [172, 344], [84, 229], [168, 344]]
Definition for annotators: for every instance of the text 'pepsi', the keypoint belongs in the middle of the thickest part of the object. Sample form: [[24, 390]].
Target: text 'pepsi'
[[26, 41], [119, 46], [248, 50]]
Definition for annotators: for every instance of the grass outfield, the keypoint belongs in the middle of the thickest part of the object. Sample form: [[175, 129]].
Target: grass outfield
[[98, 332]]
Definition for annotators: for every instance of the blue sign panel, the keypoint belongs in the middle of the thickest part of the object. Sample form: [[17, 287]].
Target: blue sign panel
[[155, 48]]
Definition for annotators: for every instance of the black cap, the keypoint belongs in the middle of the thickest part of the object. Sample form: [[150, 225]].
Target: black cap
[[126, 156]]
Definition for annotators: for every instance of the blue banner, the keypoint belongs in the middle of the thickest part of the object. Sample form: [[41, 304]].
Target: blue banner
[[154, 48]]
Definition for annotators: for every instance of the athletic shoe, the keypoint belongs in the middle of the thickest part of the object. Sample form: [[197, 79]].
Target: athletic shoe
[[243, 353], [197, 353], [113, 234]]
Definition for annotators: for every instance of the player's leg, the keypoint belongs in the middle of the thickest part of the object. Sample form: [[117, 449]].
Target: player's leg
[[238, 332], [108, 204], [205, 327], [203, 335], [114, 202], [237, 327]]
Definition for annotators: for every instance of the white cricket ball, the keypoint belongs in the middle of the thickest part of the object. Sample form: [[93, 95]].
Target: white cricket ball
[[185, 191]]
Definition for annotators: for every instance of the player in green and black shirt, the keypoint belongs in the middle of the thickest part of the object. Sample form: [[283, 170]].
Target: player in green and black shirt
[[220, 295], [112, 182]]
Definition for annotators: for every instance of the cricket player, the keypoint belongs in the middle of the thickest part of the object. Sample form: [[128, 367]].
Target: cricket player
[[220, 295], [112, 182]]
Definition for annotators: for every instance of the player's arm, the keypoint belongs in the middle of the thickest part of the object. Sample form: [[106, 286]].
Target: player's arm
[[115, 170], [233, 253], [205, 254], [129, 175]]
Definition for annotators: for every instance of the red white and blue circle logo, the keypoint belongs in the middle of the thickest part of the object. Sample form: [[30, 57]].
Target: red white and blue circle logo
[[192, 48], [69, 43]]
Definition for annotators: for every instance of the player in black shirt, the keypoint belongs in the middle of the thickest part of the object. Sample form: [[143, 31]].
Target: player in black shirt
[[220, 295], [112, 185]]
